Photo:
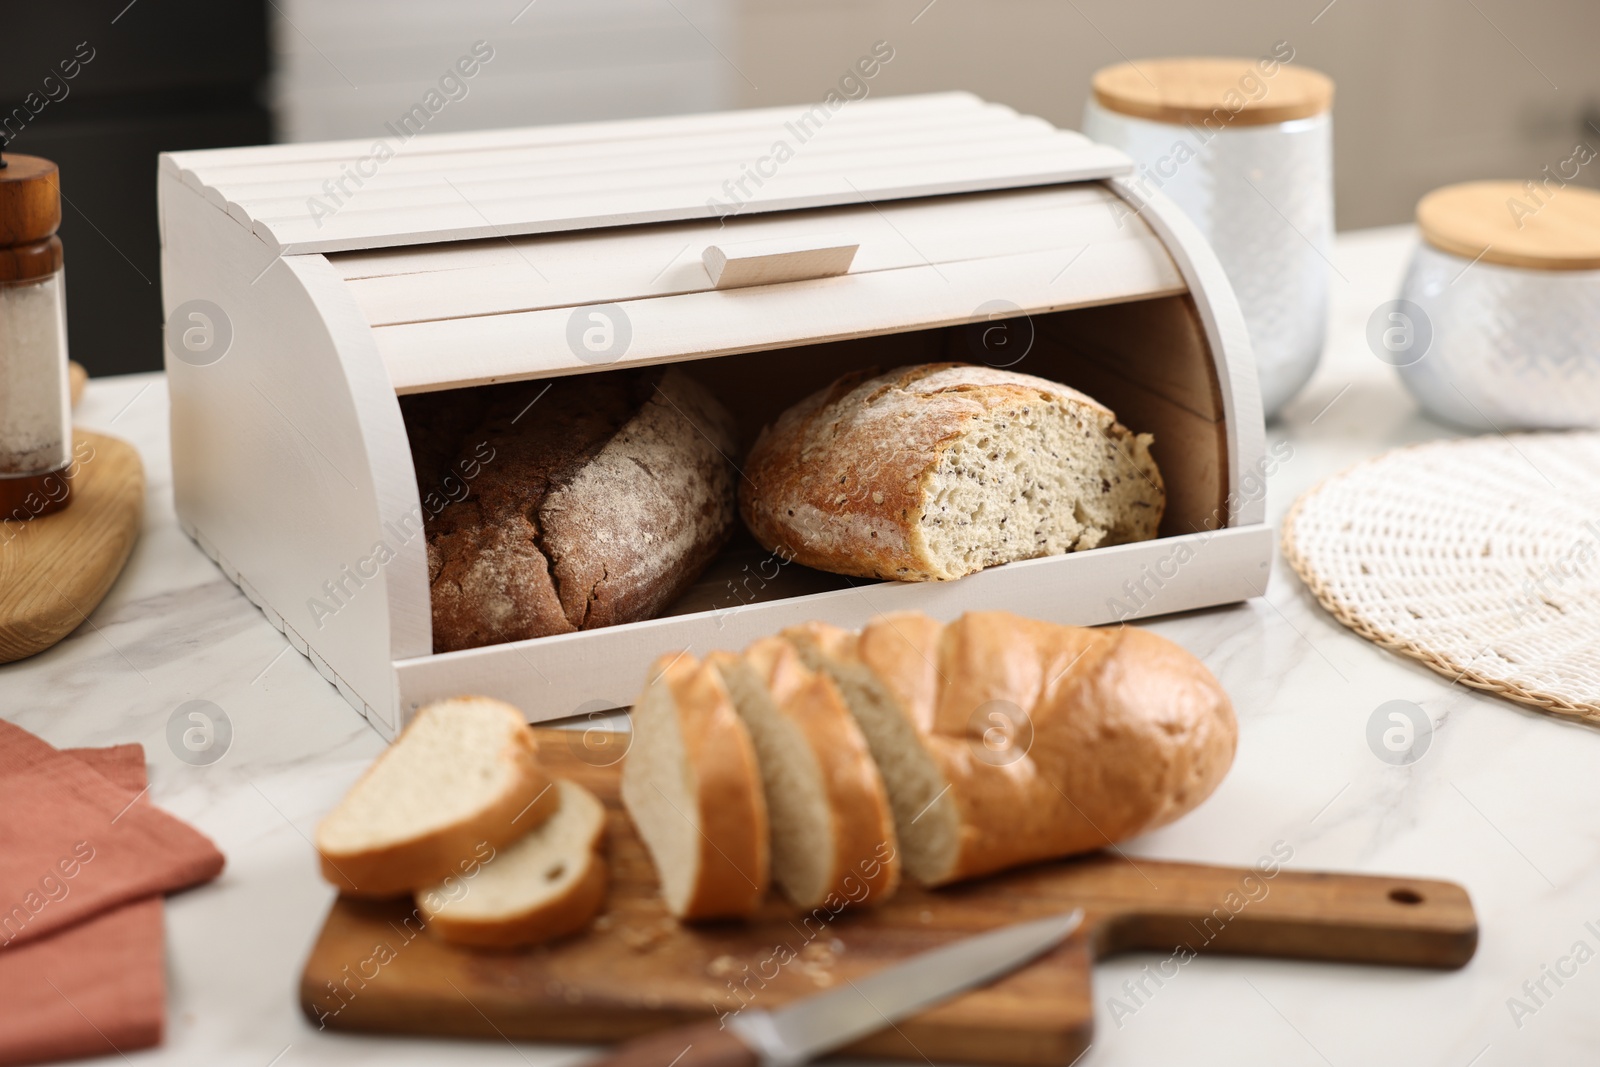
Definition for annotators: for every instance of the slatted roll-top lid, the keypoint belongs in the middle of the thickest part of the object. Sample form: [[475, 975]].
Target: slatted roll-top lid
[[405, 188]]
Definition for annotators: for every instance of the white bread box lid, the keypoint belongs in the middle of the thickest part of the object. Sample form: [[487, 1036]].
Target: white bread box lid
[[397, 189]]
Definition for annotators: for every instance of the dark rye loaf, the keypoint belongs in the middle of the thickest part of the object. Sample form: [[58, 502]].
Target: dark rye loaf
[[578, 503]]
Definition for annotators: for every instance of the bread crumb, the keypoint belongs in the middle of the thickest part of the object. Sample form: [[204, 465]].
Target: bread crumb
[[722, 965], [816, 959], [605, 922], [925, 916], [642, 940]]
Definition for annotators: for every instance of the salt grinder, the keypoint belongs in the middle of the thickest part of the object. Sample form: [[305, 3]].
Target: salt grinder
[[35, 401]]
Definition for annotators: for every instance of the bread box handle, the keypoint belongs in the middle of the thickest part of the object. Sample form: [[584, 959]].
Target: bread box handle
[[783, 259]]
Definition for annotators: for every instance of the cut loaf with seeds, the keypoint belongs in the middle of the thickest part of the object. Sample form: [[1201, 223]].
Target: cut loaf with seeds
[[833, 837], [549, 883], [465, 773], [930, 472], [691, 785]]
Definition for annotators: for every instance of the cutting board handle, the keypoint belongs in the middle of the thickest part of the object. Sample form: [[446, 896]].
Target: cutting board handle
[[1300, 915]]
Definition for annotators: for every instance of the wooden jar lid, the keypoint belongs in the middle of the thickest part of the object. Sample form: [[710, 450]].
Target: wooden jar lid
[[1193, 89], [30, 213], [1507, 223]]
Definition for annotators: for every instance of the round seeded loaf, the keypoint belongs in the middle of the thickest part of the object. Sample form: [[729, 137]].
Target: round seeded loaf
[[934, 471]]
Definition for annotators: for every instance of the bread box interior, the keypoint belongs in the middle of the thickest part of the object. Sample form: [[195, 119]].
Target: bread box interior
[[463, 260]]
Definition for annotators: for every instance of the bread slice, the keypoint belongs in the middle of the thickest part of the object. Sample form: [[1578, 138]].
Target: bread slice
[[464, 775], [930, 472], [691, 785], [927, 822], [833, 838], [549, 883]]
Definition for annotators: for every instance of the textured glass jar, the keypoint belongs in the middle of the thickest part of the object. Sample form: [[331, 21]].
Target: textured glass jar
[[1245, 147], [34, 401], [35, 396], [1504, 289]]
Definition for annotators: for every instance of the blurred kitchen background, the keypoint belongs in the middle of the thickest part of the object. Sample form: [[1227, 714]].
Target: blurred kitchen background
[[1429, 91]]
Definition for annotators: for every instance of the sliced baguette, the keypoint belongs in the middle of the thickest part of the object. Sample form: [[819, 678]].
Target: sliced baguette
[[833, 837], [463, 775], [691, 785], [927, 820], [1034, 740], [547, 884]]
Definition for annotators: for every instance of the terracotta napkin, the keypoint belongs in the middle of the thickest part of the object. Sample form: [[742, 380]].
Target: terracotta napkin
[[95, 989], [97, 985], [74, 844]]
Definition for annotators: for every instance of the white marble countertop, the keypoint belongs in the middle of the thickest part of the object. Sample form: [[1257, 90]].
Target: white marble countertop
[[1504, 801]]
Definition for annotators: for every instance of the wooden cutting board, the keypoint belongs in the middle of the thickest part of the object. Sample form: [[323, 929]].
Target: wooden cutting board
[[375, 968], [56, 568]]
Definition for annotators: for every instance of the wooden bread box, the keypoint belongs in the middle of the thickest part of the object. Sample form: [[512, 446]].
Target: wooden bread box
[[348, 274]]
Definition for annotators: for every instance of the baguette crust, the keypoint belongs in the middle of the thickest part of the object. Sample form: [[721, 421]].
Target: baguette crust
[[1047, 740], [568, 913], [734, 862], [735, 855], [866, 860], [1123, 731], [843, 479], [528, 800]]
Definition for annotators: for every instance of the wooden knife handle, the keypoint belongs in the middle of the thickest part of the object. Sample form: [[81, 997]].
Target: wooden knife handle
[[705, 1044]]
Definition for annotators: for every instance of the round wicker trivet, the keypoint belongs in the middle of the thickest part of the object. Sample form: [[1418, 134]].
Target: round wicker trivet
[[1480, 557]]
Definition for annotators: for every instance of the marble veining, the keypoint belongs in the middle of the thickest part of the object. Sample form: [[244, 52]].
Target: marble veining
[[1503, 801]]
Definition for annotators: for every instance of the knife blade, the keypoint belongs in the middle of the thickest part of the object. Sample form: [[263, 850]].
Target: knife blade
[[808, 1028]]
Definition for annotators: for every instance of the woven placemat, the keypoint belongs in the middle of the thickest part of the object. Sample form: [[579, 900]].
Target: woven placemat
[[1480, 557]]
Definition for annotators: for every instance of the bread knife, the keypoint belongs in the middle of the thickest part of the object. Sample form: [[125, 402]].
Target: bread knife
[[808, 1028]]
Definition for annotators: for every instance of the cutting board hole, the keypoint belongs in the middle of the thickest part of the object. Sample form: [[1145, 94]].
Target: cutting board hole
[[1405, 896]]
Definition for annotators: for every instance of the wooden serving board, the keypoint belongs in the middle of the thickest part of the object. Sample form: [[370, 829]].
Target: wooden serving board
[[375, 968], [55, 568]]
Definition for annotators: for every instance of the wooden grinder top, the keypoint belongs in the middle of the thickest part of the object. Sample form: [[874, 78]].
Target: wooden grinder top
[[30, 214], [1545, 227], [1193, 88]]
